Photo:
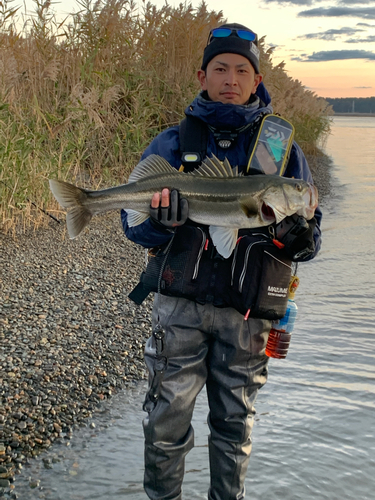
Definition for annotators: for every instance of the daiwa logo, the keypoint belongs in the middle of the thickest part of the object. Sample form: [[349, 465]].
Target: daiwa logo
[[275, 291]]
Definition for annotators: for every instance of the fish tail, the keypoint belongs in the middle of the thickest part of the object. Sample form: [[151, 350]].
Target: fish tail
[[76, 220], [73, 197]]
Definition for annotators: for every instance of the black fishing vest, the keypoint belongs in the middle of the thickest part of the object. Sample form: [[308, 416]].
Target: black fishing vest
[[254, 280]]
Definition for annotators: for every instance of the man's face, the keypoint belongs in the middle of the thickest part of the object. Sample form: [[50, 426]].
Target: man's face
[[230, 79]]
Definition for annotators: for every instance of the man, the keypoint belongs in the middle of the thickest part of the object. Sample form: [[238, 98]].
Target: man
[[195, 343]]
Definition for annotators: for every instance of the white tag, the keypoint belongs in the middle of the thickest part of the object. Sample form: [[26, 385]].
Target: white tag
[[254, 49]]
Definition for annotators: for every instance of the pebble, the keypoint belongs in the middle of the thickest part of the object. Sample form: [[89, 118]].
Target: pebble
[[69, 336], [34, 483]]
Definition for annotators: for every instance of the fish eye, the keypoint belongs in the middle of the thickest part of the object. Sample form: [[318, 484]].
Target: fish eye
[[298, 186]]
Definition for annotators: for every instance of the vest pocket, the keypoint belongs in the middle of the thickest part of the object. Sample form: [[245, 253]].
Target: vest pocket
[[260, 278], [174, 269]]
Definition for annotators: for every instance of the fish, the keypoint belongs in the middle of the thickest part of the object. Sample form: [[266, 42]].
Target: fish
[[218, 196]]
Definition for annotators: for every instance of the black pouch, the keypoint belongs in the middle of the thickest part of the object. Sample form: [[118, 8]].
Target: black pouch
[[260, 278], [174, 269]]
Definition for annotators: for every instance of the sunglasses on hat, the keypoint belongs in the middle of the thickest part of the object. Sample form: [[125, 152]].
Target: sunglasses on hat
[[225, 32]]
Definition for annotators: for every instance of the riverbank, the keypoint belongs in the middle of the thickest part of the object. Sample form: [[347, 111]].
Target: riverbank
[[69, 336]]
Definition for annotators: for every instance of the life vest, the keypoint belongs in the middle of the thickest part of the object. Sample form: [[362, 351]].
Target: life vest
[[255, 279]]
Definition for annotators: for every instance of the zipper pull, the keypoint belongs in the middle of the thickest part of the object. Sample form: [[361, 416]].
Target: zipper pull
[[246, 317], [278, 243]]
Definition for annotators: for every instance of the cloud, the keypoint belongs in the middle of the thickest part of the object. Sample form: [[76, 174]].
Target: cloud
[[368, 39], [362, 87], [356, 2], [335, 55], [293, 2], [364, 12], [331, 34], [366, 25]]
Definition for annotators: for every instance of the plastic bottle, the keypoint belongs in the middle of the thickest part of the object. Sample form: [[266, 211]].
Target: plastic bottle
[[281, 331]]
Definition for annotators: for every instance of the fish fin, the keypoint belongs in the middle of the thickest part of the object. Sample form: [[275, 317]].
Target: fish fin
[[213, 167], [76, 220], [67, 194], [152, 165], [135, 218], [279, 216], [224, 239]]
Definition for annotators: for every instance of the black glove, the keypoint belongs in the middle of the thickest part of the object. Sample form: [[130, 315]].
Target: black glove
[[168, 218], [297, 236]]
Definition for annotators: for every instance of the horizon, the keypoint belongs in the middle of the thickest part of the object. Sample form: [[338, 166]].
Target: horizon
[[369, 97]]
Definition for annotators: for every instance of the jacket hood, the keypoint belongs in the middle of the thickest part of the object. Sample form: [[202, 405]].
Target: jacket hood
[[231, 116], [263, 94]]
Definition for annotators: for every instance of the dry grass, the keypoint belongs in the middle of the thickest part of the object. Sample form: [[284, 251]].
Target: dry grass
[[81, 99]]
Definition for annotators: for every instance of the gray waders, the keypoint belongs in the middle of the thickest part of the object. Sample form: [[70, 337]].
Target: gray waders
[[193, 345]]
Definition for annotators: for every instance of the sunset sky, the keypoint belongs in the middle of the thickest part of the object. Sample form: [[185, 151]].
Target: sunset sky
[[329, 45]]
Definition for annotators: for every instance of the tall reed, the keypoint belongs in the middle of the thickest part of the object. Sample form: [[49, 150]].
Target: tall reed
[[81, 98], [308, 113]]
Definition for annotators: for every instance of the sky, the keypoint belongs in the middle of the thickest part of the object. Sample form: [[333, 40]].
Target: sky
[[328, 45]]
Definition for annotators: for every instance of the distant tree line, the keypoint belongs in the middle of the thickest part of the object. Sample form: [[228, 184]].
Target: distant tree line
[[352, 105]]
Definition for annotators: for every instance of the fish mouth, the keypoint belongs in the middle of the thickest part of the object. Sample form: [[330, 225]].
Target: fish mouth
[[267, 213]]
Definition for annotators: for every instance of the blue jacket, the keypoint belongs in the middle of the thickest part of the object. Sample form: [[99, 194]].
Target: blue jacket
[[219, 115]]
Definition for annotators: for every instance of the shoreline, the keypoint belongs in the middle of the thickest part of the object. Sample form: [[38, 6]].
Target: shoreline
[[353, 114], [69, 336]]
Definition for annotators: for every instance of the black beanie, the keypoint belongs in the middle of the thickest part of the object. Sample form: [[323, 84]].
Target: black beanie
[[232, 44]]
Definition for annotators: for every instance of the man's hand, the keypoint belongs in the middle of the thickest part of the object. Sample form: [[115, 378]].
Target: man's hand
[[168, 211], [297, 236]]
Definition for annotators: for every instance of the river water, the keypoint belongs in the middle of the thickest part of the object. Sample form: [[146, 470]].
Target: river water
[[314, 435]]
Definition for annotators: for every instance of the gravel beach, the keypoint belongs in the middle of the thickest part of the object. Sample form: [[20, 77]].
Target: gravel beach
[[69, 336]]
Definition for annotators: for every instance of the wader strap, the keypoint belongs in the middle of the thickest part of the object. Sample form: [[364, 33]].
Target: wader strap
[[139, 293], [142, 290], [193, 142]]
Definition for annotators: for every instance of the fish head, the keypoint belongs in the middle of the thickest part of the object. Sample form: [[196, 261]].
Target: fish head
[[288, 197]]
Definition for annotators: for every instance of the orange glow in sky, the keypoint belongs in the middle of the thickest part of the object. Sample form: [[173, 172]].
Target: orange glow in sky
[[328, 45], [336, 78], [300, 36]]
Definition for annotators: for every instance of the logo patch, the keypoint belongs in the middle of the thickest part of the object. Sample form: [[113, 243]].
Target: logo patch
[[275, 291], [254, 49]]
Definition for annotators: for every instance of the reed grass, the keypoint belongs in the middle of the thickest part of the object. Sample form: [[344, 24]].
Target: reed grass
[[80, 99]]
